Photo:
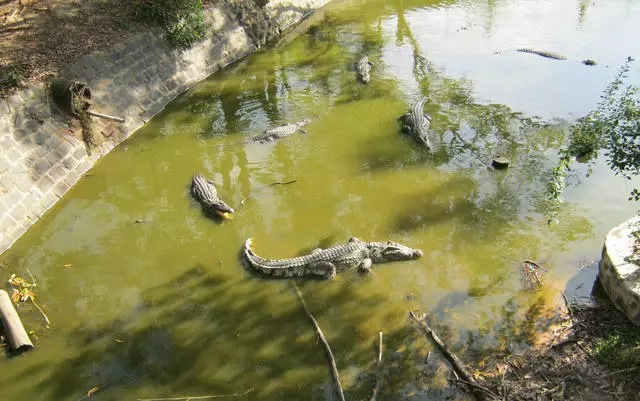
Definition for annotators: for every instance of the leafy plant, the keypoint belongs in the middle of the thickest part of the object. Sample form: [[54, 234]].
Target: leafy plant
[[22, 292], [619, 350], [11, 77], [613, 127], [182, 20]]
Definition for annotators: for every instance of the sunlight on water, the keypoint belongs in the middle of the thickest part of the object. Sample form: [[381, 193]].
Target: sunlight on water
[[148, 297]]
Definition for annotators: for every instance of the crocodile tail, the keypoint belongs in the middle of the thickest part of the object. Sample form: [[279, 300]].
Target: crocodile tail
[[247, 247]]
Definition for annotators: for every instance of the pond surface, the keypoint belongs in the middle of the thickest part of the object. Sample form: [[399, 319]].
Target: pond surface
[[163, 307]]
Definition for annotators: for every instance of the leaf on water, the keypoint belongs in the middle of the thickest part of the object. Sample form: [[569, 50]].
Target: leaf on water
[[67, 265], [119, 340], [92, 391]]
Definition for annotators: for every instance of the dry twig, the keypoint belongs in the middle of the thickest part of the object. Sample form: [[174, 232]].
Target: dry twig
[[332, 361], [200, 397], [458, 367], [376, 389]]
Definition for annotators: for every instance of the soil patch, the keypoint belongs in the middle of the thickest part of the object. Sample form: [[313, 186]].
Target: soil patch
[[39, 37]]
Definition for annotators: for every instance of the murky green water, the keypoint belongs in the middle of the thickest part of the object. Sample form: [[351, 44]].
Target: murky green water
[[165, 308]]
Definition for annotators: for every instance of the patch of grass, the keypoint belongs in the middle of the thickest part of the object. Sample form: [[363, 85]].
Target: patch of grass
[[619, 350], [11, 77], [182, 20]]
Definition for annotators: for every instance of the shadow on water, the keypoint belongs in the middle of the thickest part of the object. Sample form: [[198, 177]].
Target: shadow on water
[[198, 331]]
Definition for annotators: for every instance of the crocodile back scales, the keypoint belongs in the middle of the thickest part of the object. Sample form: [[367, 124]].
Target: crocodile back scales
[[416, 124], [281, 131], [341, 256], [363, 68]]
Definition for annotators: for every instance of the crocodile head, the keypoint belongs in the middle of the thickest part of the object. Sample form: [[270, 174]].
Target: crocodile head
[[389, 251], [222, 209]]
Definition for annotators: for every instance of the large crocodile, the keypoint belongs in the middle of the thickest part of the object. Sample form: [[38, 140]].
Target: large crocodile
[[327, 262], [363, 69], [205, 192], [416, 123]]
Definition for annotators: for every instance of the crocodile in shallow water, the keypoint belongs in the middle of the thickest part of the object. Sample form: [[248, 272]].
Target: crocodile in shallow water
[[205, 193], [416, 123], [363, 69], [281, 131], [327, 262]]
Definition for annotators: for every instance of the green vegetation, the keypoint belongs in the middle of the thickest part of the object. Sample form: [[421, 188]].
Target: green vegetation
[[613, 127], [11, 76], [182, 20], [619, 350]]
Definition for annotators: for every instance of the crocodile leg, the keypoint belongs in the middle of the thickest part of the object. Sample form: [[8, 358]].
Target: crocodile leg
[[365, 266], [323, 268]]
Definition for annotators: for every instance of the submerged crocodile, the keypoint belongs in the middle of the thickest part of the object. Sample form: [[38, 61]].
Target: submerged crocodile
[[551, 55], [276, 133], [416, 123], [363, 69], [281, 131], [205, 192], [327, 262]]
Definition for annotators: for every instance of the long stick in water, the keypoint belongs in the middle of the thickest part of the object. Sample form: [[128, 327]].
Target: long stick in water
[[332, 361], [376, 389]]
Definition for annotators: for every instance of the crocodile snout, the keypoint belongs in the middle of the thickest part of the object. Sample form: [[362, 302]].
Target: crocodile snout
[[417, 253]]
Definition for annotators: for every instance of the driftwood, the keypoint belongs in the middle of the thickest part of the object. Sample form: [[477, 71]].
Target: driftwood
[[332, 360], [12, 326], [376, 389], [458, 367]]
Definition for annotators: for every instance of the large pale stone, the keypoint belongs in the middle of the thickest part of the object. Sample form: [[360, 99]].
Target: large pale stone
[[619, 276]]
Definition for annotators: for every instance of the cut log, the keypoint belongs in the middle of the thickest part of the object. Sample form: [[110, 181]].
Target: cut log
[[12, 326]]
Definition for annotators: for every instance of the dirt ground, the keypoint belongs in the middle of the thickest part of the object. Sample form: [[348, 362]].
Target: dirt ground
[[39, 37]]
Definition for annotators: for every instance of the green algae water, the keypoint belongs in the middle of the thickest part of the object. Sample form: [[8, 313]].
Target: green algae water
[[147, 297]]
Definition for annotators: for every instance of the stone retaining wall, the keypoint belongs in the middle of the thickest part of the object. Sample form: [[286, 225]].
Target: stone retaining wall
[[619, 276], [41, 152]]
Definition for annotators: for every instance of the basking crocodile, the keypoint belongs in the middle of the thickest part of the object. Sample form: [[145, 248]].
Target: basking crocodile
[[363, 69], [416, 123], [205, 192], [327, 262]]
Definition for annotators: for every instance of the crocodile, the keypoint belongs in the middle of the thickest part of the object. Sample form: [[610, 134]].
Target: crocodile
[[205, 193], [275, 133], [416, 123], [325, 263], [551, 55], [281, 131], [363, 68]]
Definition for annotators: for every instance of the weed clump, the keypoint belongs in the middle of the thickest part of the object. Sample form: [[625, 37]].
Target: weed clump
[[182, 20]]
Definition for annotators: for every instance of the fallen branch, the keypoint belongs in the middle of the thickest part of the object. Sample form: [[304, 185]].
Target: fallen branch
[[376, 389], [106, 116], [332, 361], [458, 367], [200, 397], [265, 187]]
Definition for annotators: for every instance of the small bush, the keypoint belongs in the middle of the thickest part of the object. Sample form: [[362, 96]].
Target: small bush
[[182, 20], [11, 77], [619, 350], [613, 127]]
